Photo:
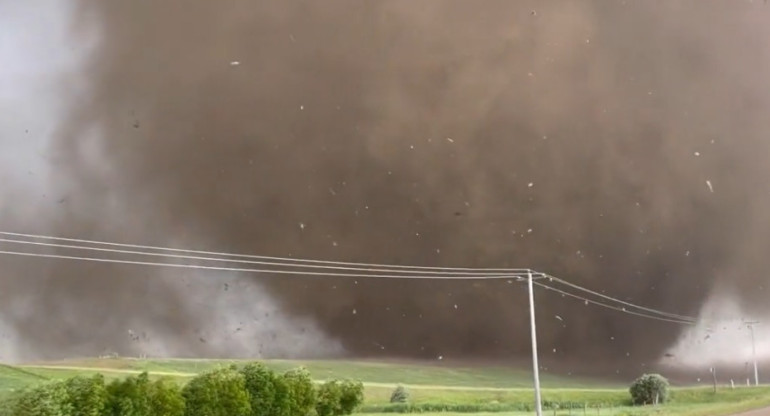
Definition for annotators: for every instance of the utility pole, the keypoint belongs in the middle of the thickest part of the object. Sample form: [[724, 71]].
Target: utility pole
[[533, 331], [750, 325]]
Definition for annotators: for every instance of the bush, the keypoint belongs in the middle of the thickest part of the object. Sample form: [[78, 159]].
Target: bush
[[352, 396], [46, 400], [328, 399], [337, 398], [649, 389], [300, 392], [87, 396], [128, 397], [219, 392], [268, 393], [166, 398], [399, 395]]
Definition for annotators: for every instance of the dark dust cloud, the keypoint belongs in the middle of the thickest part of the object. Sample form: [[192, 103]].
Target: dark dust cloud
[[621, 145]]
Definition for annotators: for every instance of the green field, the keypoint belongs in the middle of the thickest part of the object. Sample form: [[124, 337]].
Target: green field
[[440, 390]]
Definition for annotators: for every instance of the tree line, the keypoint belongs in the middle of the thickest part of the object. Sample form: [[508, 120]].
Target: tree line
[[251, 390]]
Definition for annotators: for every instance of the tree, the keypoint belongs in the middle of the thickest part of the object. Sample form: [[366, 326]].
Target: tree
[[337, 398], [86, 395], [165, 398], [138, 396], [129, 397], [267, 391], [219, 392], [649, 389], [47, 400], [399, 395], [328, 399], [352, 396], [301, 392]]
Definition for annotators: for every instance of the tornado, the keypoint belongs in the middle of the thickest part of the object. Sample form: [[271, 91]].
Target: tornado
[[619, 145]]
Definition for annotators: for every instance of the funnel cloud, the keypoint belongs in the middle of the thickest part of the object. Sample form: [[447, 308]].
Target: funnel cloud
[[620, 145]]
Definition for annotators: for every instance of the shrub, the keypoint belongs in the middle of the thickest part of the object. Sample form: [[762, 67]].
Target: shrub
[[46, 400], [649, 389], [328, 399], [300, 392], [166, 399], [129, 397], [352, 396], [87, 396], [268, 393], [219, 392], [399, 395]]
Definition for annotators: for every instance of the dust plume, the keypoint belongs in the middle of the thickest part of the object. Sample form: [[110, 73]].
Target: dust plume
[[617, 144]]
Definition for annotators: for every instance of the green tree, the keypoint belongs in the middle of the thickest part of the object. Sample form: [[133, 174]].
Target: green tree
[[352, 396], [337, 398], [129, 397], [267, 391], [399, 395], [46, 400], [165, 398], [649, 389], [219, 392], [87, 395], [328, 399], [301, 392]]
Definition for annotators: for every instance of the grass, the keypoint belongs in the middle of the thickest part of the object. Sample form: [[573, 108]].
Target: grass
[[373, 372], [13, 378], [469, 390]]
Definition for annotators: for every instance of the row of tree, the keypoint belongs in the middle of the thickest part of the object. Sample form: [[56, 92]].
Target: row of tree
[[252, 390]]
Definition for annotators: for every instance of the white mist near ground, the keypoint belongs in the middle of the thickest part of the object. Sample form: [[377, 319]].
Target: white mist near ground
[[237, 319], [235, 316], [721, 337]]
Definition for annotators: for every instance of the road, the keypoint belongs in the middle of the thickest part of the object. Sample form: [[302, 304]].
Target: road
[[758, 412]]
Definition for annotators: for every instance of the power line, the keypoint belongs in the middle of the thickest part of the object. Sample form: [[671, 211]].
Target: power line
[[449, 272], [248, 256], [252, 270], [616, 308], [372, 270], [629, 304]]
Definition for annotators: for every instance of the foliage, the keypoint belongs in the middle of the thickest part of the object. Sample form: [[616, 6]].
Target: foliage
[[328, 399], [137, 396], [129, 397], [269, 395], [47, 400], [352, 396], [337, 398], [166, 399], [87, 395], [399, 395], [649, 389], [219, 392], [301, 392]]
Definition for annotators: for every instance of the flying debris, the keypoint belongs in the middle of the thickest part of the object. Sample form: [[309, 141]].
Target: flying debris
[[708, 183], [559, 318], [234, 63]]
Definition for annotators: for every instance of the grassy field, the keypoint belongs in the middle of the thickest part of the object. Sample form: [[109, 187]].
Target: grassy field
[[434, 389]]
